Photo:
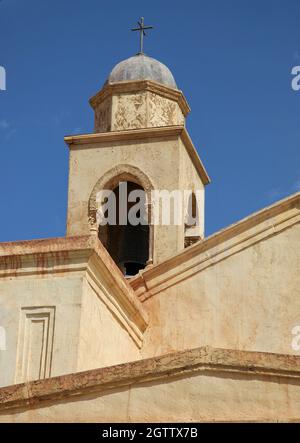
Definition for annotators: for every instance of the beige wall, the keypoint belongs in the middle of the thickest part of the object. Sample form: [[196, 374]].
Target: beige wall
[[23, 311], [65, 312], [190, 181], [248, 301], [198, 397], [102, 339]]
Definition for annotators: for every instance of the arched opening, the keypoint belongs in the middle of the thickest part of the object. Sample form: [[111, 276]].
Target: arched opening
[[127, 238], [192, 211], [191, 228]]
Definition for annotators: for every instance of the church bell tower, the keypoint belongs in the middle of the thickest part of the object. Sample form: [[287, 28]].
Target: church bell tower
[[139, 139]]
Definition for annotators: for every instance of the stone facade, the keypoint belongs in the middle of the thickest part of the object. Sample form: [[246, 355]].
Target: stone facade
[[201, 385], [204, 333], [55, 296]]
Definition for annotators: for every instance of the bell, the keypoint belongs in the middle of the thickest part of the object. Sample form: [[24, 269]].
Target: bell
[[133, 251]]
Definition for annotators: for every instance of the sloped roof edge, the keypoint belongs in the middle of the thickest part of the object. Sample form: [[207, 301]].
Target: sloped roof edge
[[218, 246], [83, 140]]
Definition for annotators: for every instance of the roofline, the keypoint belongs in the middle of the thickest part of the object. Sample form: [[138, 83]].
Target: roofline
[[206, 360], [218, 246], [55, 255], [78, 141]]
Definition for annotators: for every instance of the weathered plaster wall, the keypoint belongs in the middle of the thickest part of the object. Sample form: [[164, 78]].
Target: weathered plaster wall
[[83, 334], [191, 181], [30, 297], [161, 159], [157, 159], [103, 341], [65, 307], [249, 301], [212, 385], [202, 399], [103, 114]]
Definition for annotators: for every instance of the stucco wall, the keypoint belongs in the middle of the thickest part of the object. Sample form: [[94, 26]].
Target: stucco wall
[[190, 181], [68, 318], [158, 160], [248, 301], [162, 161], [64, 307], [103, 341], [203, 397], [28, 303]]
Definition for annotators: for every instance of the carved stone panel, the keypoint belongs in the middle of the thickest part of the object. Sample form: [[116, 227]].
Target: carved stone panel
[[129, 111], [144, 110], [162, 111], [35, 343]]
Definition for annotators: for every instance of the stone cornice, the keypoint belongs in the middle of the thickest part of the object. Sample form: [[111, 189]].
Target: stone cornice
[[217, 247], [137, 86], [79, 141], [185, 363], [83, 254], [44, 256], [126, 135]]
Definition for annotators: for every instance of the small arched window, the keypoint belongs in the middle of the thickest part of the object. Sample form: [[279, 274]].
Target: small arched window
[[192, 211], [191, 228]]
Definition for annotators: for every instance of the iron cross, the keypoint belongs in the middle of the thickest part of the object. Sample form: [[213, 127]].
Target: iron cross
[[142, 29]]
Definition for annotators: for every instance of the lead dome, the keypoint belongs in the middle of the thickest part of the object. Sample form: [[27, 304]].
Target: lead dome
[[142, 67]]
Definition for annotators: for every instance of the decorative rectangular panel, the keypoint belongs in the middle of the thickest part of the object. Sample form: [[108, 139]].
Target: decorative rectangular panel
[[35, 343]]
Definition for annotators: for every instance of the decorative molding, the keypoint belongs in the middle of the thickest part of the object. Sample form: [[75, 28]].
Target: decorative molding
[[206, 360], [43, 263], [81, 254], [35, 343], [125, 135], [80, 142], [139, 86], [219, 246]]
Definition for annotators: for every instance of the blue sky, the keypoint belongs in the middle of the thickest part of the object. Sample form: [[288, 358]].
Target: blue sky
[[232, 59]]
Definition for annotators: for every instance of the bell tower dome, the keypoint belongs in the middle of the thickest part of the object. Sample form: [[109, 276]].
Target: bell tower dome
[[140, 92]]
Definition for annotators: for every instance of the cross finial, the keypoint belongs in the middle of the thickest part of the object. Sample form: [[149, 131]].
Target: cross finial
[[142, 29]]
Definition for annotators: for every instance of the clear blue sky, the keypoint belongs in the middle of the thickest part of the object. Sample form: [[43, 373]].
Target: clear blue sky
[[232, 59]]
